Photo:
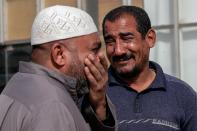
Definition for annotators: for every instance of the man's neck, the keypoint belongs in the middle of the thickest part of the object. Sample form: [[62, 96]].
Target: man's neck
[[142, 81]]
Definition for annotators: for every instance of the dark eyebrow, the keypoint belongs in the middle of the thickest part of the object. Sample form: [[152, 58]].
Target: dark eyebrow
[[126, 34]]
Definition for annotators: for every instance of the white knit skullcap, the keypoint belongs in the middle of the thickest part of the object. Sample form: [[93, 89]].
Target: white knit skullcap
[[61, 22]]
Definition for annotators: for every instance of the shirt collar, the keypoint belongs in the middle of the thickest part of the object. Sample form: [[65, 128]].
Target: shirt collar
[[160, 80], [158, 83]]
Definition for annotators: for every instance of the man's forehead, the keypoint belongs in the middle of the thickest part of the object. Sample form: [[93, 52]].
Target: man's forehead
[[121, 23], [119, 33]]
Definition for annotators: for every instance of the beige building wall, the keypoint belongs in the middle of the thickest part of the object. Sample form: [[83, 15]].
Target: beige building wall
[[104, 7], [18, 19], [60, 2]]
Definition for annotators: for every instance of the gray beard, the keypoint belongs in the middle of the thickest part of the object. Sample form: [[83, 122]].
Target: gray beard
[[82, 87], [76, 71]]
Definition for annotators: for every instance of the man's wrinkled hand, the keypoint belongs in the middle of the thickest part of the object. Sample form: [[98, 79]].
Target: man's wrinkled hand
[[96, 72]]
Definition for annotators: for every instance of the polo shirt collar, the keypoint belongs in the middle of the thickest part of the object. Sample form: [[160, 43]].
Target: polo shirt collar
[[158, 83]]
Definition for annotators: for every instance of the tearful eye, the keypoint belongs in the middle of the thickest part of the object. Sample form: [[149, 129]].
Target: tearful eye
[[96, 47], [127, 39], [96, 50], [109, 40]]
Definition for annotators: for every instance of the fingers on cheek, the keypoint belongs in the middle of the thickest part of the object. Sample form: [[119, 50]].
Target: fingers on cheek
[[87, 62], [94, 59], [104, 61], [99, 64], [94, 67], [89, 75]]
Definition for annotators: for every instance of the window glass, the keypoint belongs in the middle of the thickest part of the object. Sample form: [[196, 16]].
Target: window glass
[[2, 69], [187, 11], [10, 57], [189, 55], [163, 52], [159, 11], [17, 53]]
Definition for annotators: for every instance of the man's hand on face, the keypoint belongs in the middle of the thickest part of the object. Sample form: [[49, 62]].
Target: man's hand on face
[[96, 72]]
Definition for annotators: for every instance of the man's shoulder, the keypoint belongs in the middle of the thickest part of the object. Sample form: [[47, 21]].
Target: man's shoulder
[[177, 83], [183, 91], [171, 82], [30, 89]]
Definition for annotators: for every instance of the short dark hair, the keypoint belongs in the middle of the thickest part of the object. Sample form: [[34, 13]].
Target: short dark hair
[[140, 15]]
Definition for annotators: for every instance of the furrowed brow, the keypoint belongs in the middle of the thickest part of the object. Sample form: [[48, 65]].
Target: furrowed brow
[[126, 34]]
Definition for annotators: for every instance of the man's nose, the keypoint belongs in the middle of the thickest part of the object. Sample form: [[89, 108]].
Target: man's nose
[[119, 48]]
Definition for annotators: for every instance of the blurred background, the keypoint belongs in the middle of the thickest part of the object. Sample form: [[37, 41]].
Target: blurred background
[[174, 20]]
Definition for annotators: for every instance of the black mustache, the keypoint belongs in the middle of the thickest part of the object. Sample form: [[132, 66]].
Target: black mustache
[[123, 57]]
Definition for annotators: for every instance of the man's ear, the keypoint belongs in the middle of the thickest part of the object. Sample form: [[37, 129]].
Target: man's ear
[[58, 55], [151, 37]]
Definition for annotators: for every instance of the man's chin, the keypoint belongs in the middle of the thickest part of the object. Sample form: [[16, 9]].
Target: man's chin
[[126, 73], [124, 70]]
